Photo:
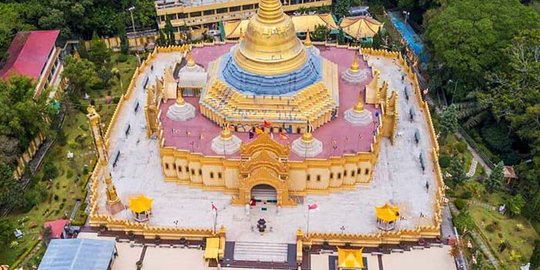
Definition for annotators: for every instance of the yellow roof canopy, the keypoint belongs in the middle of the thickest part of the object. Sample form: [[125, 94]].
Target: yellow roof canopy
[[301, 24], [212, 248], [387, 212], [360, 27], [350, 258], [140, 204]]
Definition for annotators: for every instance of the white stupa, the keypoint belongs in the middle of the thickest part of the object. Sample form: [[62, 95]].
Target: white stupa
[[181, 110], [307, 145], [226, 143], [358, 115], [354, 74]]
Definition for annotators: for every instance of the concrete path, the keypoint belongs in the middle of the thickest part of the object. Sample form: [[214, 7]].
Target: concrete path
[[475, 155], [472, 168]]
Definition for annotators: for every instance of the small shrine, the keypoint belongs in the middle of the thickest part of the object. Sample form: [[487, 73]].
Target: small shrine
[[387, 215], [354, 74], [307, 145], [181, 110], [226, 143], [350, 259], [141, 206], [358, 115]]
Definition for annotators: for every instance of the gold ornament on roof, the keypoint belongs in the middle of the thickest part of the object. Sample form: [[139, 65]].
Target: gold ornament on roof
[[190, 61], [307, 42], [359, 107], [355, 66], [179, 99], [226, 133]]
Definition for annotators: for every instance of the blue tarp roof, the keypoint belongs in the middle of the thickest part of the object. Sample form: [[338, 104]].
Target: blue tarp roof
[[78, 254]]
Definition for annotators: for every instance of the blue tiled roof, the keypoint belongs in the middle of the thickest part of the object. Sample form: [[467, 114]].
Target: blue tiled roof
[[78, 254]]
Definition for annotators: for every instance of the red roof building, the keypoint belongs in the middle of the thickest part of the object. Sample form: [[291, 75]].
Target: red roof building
[[35, 55], [57, 227]]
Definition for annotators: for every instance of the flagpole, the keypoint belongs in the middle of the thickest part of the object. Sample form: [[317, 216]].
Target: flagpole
[[307, 227], [215, 221]]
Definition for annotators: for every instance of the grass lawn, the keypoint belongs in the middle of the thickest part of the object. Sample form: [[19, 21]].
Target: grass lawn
[[517, 231], [69, 186]]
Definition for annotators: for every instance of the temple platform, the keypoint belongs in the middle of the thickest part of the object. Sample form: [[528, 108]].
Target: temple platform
[[196, 134]]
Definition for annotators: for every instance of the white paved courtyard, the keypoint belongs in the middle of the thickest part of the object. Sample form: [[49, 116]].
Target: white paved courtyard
[[398, 178]]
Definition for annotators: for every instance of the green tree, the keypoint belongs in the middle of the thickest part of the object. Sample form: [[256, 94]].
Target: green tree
[[448, 122], [10, 23], [9, 150], [456, 171], [467, 39], [377, 40], [341, 8], [515, 204], [162, 39], [122, 34], [320, 33], [6, 232], [81, 74], [99, 54], [476, 189], [10, 189], [169, 30], [464, 221], [495, 179], [21, 116], [535, 257]]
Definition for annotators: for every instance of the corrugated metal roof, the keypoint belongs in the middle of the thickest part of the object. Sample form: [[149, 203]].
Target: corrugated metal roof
[[78, 254]]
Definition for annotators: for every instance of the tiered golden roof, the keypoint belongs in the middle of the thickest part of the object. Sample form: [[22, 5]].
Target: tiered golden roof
[[140, 204], [350, 259], [270, 45], [387, 213]]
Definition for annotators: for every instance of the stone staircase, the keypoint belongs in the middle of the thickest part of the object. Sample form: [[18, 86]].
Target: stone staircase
[[258, 251]]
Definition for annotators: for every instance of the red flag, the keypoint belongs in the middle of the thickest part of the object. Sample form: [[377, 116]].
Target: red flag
[[267, 123], [214, 208], [313, 206]]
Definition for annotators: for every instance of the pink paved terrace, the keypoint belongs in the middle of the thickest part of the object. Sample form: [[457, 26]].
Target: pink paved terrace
[[195, 135]]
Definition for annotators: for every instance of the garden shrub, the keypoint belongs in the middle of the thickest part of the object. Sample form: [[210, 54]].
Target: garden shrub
[[115, 100], [461, 147], [50, 171], [444, 161], [56, 198], [466, 195], [69, 174], [463, 220], [122, 58], [460, 204], [492, 227]]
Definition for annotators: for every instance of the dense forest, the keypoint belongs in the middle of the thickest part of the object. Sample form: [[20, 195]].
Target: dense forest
[[78, 19], [485, 57]]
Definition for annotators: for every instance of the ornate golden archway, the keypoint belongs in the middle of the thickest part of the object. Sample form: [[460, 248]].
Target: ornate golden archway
[[264, 162]]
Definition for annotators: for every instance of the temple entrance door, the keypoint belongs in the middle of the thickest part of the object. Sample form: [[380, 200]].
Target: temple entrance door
[[264, 194]]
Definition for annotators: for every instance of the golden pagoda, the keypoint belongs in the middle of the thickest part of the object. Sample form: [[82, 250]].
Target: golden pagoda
[[387, 215], [270, 45], [350, 259], [141, 206]]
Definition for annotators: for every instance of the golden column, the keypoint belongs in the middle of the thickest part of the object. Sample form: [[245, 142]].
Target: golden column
[[114, 205]]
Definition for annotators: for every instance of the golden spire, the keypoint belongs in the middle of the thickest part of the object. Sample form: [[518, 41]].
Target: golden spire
[[241, 36], [190, 61], [226, 133], [359, 107], [355, 66], [179, 99], [270, 10], [307, 41], [112, 196]]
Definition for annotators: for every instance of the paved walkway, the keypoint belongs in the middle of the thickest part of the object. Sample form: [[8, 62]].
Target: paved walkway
[[475, 155], [472, 168]]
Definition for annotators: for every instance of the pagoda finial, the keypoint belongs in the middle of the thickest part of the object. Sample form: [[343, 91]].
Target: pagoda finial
[[359, 107], [179, 98], [270, 10], [241, 36], [114, 204], [226, 133], [307, 41], [355, 66], [190, 61]]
